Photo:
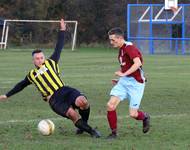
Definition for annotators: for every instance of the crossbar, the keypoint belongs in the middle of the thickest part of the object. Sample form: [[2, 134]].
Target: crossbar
[[5, 29]]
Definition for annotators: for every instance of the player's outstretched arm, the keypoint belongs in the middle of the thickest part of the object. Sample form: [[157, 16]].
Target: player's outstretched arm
[[60, 42], [17, 88]]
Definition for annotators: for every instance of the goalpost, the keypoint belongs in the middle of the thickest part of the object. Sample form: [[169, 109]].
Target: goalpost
[[5, 31]]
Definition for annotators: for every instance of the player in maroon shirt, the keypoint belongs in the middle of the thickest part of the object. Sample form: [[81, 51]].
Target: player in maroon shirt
[[130, 85]]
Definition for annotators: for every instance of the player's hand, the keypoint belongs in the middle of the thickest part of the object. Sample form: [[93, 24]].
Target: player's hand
[[62, 25], [3, 97], [119, 73], [114, 81]]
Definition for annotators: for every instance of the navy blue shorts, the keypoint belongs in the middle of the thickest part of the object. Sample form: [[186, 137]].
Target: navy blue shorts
[[63, 99]]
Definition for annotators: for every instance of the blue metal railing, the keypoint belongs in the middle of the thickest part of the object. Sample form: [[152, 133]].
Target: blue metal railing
[[151, 23]]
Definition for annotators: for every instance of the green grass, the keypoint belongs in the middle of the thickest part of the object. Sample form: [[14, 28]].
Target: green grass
[[166, 98]]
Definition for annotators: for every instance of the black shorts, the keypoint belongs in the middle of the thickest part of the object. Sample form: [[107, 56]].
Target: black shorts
[[63, 99]]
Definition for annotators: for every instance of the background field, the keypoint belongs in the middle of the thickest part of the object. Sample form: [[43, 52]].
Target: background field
[[166, 98]]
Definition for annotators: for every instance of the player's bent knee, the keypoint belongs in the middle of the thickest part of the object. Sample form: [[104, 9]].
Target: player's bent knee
[[110, 107], [133, 114], [81, 99], [82, 102], [84, 105]]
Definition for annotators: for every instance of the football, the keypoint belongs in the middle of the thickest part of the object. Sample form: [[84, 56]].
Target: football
[[46, 127]]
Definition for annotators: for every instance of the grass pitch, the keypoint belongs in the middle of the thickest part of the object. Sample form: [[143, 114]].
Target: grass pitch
[[166, 98]]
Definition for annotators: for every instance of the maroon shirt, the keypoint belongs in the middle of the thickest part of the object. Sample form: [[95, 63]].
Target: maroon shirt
[[126, 55]]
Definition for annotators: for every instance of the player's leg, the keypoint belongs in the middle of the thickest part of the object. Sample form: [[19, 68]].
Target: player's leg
[[118, 93], [84, 107], [79, 123], [72, 114], [135, 100], [62, 103], [78, 100], [84, 110], [140, 115], [63, 108], [136, 114], [112, 115]]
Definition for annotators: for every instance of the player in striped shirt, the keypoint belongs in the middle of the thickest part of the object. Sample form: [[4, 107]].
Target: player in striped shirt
[[62, 99]]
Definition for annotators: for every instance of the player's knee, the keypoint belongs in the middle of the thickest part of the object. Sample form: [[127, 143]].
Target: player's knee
[[133, 114], [85, 104], [110, 107], [82, 102]]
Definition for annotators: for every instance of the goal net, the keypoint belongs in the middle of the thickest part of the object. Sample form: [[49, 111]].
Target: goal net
[[31, 34]]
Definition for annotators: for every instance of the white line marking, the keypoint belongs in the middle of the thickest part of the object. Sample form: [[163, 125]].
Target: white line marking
[[95, 117], [9, 87]]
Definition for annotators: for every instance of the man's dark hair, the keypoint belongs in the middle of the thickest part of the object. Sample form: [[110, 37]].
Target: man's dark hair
[[36, 51], [116, 31]]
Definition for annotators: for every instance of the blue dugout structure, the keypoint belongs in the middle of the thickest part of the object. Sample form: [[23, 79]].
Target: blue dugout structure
[[156, 30]]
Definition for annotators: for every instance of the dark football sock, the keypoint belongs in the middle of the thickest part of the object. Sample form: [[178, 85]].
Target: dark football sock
[[140, 116], [83, 126], [112, 119], [85, 114]]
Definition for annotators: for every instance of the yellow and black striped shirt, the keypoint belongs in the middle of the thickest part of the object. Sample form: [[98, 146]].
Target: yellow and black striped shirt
[[46, 78]]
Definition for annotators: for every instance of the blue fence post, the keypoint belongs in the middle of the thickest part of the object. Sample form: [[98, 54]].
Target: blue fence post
[[128, 21], [171, 41], [176, 47], [183, 30], [151, 50]]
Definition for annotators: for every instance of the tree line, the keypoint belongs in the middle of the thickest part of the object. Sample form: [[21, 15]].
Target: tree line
[[95, 17]]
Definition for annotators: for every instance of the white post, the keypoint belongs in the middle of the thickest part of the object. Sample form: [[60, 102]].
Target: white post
[[6, 36], [3, 34], [74, 37]]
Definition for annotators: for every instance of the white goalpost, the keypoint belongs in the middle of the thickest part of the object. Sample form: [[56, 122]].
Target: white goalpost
[[5, 30]]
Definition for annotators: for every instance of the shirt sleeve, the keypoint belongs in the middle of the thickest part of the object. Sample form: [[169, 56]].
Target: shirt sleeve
[[132, 52], [19, 87], [59, 46]]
